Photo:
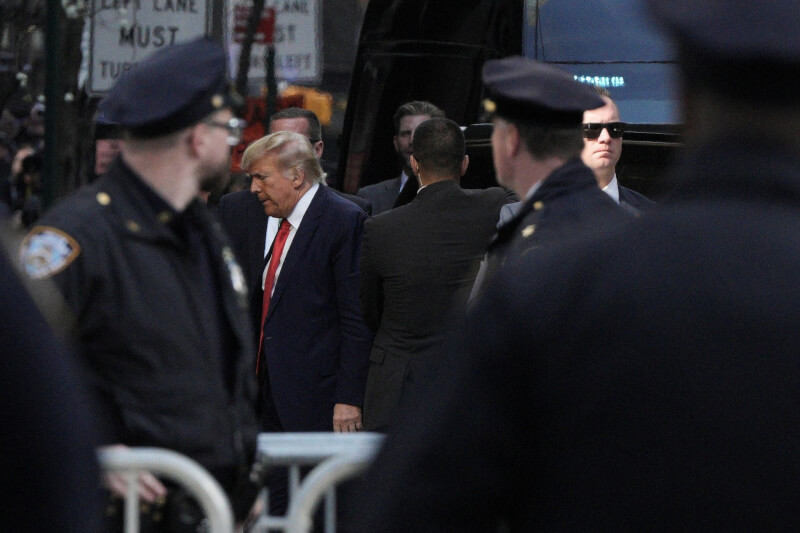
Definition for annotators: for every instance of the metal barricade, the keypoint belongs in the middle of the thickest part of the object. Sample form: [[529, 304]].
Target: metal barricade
[[337, 456], [178, 468]]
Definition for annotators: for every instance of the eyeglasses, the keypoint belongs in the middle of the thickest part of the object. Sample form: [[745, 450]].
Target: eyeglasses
[[593, 130], [234, 126]]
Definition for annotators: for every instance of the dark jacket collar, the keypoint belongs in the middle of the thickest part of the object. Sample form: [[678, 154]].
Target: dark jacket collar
[[566, 179], [436, 188], [140, 210]]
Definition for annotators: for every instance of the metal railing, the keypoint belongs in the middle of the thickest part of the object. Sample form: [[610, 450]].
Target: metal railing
[[178, 468], [336, 457]]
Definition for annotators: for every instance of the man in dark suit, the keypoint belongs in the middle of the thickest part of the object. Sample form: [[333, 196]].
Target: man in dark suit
[[314, 346], [251, 244], [680, 413], [602, 139], [394, 192], [536, 145], [418, 263]]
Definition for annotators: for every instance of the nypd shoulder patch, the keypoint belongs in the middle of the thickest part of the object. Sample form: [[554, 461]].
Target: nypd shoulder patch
[[46, 251]]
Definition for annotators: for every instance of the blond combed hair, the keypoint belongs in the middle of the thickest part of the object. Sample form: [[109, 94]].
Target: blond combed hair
[[292, 150]]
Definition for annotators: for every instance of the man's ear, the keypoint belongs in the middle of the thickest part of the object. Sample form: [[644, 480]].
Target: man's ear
[[319, 146], [196, 140], [414, 165], [464, 164], [513, 140], [298, 177]]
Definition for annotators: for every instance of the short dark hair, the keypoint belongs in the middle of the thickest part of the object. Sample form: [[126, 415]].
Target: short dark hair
[[544, 141], [439, 146], [416, 107], [314, 127]]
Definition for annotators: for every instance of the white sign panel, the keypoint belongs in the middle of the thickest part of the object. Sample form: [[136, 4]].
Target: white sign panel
[[297, 38], [123, 32]]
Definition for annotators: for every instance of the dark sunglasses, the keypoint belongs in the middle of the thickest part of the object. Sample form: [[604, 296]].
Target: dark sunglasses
[[593, 130]]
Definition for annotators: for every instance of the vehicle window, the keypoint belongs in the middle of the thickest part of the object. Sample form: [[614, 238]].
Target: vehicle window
[[611, 43]]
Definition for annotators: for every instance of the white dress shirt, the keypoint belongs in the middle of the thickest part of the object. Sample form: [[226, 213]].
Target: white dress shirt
[[403, 179], [612, 189], [294, 218]]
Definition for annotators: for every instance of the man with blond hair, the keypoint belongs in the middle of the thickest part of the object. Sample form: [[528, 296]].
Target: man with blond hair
[[313, 346]]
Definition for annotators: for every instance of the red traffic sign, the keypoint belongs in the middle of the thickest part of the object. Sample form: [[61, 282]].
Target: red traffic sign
[[266, 26]]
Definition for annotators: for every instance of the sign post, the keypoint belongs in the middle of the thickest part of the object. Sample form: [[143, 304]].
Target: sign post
[[297, 37]]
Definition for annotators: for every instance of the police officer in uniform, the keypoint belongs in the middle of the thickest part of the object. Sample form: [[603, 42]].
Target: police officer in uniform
[[537, 111], [646, 380], [159, 302]]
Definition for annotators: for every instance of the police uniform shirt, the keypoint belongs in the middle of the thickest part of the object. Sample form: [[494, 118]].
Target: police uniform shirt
[[187, 229]]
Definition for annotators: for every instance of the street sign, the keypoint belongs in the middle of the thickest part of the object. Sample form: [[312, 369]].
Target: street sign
[[123, 32], [297, 38], [265, 32]]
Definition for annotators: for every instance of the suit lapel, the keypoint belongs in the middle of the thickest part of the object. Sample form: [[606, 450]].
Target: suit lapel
[[300, 243], [394, 187]]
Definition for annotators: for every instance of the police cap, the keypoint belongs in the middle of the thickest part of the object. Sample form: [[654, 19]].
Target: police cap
[[172, 89], [735, 47], [105, 129], [521, 88]]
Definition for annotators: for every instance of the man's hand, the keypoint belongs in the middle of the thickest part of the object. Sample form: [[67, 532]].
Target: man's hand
[[346, 418], [150, 489]]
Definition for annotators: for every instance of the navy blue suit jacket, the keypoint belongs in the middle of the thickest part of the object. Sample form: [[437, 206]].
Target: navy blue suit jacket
[[316, 344]]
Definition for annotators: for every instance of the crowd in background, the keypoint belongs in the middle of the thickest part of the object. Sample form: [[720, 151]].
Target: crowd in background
[[21, 145]]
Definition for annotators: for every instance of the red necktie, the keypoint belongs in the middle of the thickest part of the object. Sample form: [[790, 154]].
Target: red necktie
[[269, 281]]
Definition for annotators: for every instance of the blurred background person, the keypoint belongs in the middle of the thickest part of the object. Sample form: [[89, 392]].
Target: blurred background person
[[50, 475]]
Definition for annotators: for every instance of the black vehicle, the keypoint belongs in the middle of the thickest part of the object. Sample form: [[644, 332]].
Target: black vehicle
[[434, 50]]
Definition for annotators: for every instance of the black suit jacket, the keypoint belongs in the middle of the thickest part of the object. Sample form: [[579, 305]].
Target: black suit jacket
[[381, 195], [634, 202], [244, 220], [363, 203], [418, 263], [642, 381]]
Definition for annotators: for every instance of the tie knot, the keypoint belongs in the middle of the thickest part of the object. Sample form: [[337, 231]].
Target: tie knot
[[285, 226]]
